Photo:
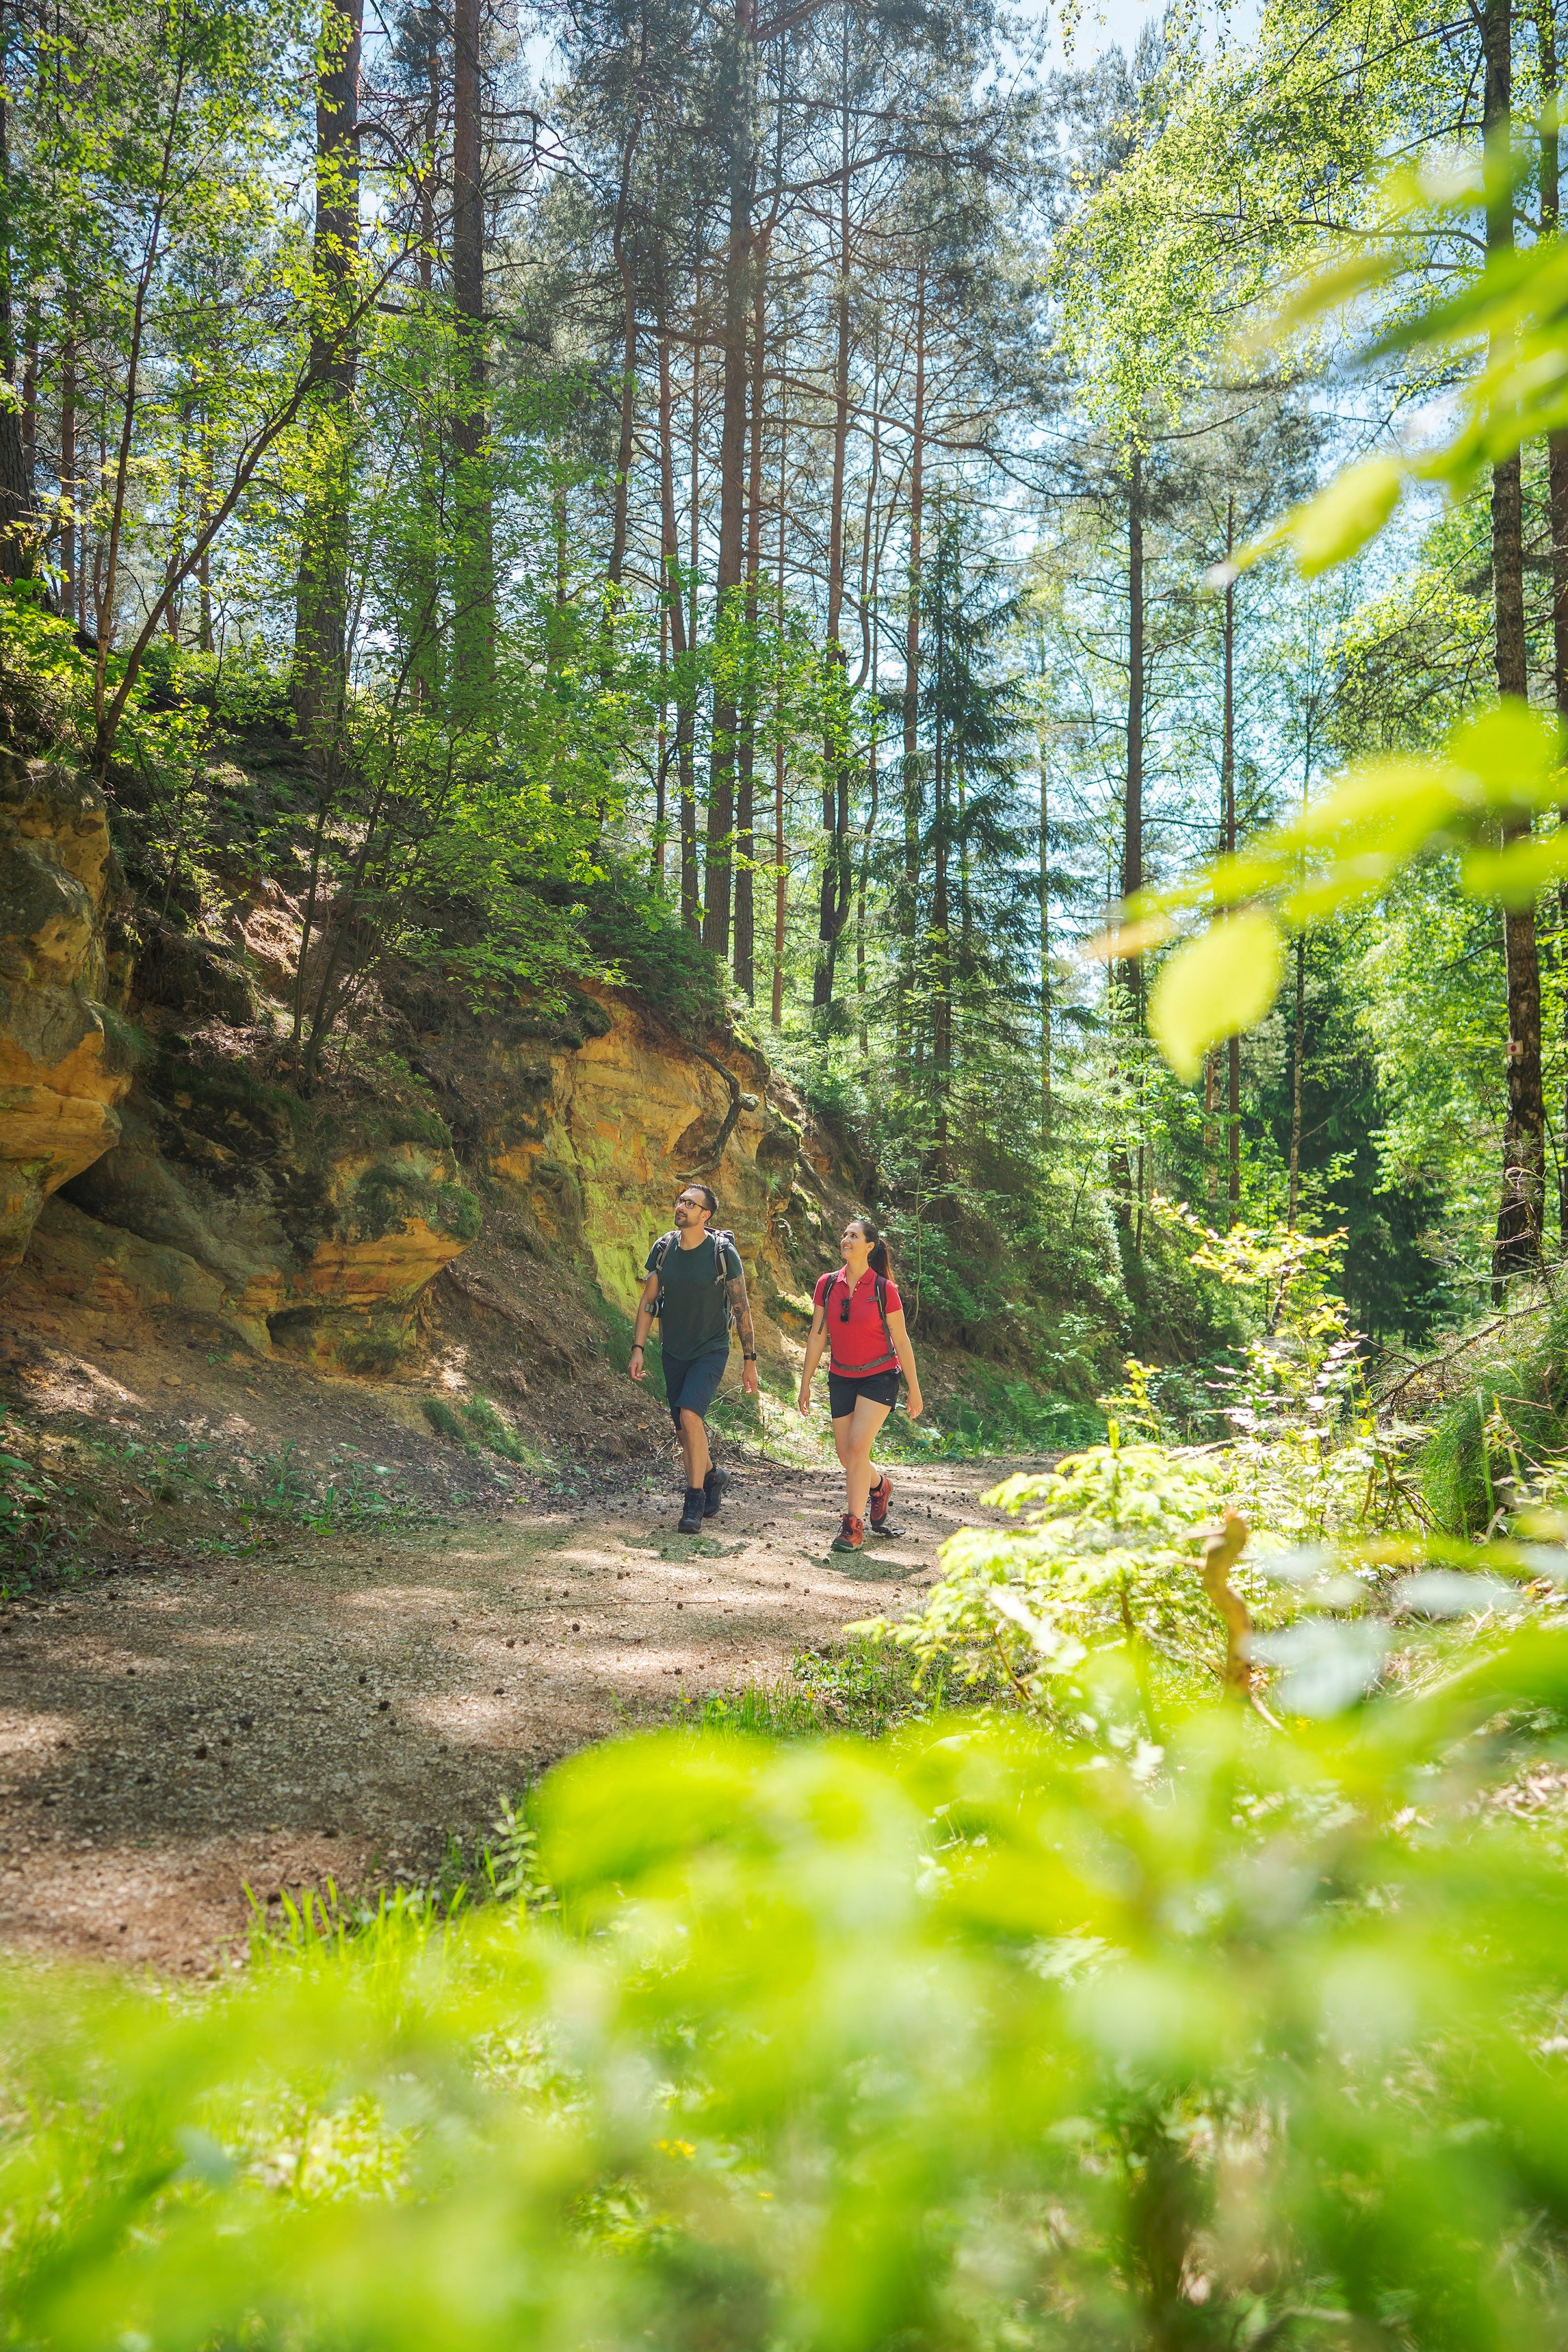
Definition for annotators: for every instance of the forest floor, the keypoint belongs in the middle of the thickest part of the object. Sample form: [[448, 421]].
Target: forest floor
[[190, 1723]]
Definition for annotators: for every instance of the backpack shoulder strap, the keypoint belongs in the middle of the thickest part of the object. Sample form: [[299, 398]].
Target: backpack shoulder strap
[[880, 1284], [723, 1243], [660, 1251]]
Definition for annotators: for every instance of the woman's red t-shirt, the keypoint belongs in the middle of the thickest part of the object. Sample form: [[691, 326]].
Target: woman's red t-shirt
[[859, 1347]]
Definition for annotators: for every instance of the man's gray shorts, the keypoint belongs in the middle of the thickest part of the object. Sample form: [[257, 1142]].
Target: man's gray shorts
[[692, 1387]]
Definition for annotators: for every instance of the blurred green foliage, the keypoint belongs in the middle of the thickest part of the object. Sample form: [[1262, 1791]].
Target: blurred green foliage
[[1250, 2038]]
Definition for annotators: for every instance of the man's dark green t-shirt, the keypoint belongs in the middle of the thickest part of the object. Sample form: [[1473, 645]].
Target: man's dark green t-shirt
[[695, 1318]]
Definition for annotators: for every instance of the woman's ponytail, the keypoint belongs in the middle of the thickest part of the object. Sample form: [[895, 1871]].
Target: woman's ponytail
[[879, 1261]]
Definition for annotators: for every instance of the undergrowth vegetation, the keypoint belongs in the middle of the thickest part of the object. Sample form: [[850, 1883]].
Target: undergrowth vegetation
[[65, 1494], [1243, 2036], [1182, 1990]]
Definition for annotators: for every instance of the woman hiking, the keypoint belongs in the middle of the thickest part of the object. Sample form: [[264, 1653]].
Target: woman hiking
[[859, 1316]]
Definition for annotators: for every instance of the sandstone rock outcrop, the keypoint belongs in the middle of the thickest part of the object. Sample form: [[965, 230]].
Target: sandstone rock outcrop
[[62, 1067], [309, 1228], [147, 1172], [598, 1131]]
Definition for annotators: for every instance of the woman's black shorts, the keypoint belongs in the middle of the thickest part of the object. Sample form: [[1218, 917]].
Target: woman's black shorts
[[845, 1392]]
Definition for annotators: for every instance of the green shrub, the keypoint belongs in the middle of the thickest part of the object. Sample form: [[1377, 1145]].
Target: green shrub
[[445, 1422], [846, 2047], [1494, 1442], [640, 935], [486, 1426]]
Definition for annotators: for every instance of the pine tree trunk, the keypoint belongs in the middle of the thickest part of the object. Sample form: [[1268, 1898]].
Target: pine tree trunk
[[319, 680], [834, 901], [676, 609], [1122, 1172], [662, 768], [1557, 506], [1518, 1225], [1228, 845], [1133, 814], [746, 763], [909, 907], [781, 866], [1298, 1057], [628, 360], [475, 585], [1044, 943], [867, 835], [941, 959], [741, 69], [19, 518], [68, 604]]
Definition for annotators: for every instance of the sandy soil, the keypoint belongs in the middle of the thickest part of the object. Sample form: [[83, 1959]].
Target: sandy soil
[[187, 1727]]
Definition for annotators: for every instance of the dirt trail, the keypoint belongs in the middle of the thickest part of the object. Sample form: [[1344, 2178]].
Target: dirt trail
[[195, 1726]]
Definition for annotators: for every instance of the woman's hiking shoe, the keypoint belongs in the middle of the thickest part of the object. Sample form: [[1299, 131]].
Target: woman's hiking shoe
[[881, 1499], [690, 1522], [851, 1535], [714, 1485]]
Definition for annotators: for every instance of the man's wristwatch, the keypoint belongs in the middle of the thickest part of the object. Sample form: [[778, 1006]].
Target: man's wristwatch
[[748, 1359]]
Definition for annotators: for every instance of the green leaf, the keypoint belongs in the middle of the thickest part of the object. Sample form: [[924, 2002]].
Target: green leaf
[[1515, 754], [1517, 876], [1331, 527], [1215, 986]]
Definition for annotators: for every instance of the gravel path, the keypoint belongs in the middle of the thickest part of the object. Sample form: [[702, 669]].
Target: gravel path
[[189, 1727]]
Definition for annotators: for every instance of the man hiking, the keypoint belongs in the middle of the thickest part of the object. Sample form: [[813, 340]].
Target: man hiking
[[697, 1287]]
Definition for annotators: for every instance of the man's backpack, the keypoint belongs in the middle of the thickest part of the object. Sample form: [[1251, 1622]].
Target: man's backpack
[[722, 1241], [879, 1291]]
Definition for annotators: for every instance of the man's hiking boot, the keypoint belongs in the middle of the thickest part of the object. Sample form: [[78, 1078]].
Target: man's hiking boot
[[851, 1535], [690, 1522], [714, 1485], [881, 1499]]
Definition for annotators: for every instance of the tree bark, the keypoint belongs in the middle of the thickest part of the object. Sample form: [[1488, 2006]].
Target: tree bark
[[1557, 499], [628, 358], [746, 763], [910, 907], [741, 67], [1122, 1170], [473, 652], [676, 607], [780, 867], [833, 907], [19, 518], [319, 681], [867, 835], [1133, 814], [69, 588], [1297, 1057], [1518, 1243], [1040, 739], [941, 976], [1228, 832]]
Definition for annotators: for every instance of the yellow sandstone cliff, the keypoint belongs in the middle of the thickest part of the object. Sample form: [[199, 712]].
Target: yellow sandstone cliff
[[149, 1172]]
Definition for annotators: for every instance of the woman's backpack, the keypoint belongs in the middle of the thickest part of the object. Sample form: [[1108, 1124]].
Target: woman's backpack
[[879, 1290]]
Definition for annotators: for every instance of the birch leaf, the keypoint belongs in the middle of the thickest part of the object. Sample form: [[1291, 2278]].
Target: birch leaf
[[1215, 987], [1342, 519]]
